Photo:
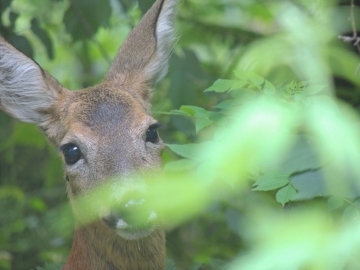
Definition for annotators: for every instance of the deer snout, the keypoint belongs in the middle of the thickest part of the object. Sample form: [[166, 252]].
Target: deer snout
[[132, 216], [135, 210]]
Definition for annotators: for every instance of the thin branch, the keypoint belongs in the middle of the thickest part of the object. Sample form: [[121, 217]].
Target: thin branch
[[354, 39]]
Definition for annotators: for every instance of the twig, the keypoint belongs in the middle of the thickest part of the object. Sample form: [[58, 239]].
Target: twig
[[354, 39]]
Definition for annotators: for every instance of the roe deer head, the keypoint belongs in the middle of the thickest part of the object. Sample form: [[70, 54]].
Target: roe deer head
[[102, 132]]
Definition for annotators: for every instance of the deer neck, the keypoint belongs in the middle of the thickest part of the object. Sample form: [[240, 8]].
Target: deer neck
[[95, 247]]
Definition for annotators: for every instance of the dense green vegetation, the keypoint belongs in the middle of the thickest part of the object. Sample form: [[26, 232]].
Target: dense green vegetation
[[261, 119]]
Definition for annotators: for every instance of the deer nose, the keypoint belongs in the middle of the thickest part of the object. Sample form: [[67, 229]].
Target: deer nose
[[135, 210]]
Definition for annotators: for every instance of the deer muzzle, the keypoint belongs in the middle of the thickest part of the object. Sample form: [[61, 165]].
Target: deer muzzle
[[132, 217]]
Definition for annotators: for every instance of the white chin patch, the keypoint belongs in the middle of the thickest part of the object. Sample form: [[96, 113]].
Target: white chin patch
[[129, 232]]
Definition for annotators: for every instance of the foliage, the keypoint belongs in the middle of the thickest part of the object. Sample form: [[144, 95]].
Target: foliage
[[261, 168]]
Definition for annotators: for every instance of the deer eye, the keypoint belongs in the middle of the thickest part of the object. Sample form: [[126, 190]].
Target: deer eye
[[151, 134], [71, 153]]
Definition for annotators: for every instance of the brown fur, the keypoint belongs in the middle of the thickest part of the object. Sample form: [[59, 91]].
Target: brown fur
[[105, 251], [108, 123]]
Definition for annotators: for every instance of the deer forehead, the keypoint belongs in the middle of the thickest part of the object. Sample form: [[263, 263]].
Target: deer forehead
[[108, 113]]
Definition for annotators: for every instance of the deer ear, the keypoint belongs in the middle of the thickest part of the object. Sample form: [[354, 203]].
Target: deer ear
[[26, 91], [143, 57]]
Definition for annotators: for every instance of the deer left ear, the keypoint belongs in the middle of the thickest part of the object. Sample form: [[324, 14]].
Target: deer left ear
[[143, 57]]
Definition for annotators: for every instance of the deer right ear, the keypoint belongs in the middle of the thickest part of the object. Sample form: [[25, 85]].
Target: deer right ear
[[26, 91], [143, 57]]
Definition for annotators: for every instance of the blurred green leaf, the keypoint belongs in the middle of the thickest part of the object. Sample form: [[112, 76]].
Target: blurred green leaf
[[285, 194], [227, 104], [196, 266], [82, 22], [189, 151], [314, 89], [242, 75], [38, 204], [351, 213], [179, 166], [170, 264], [45, 39], [269, 88], [28, 135], [334, 203], [256, 79], [271, 181], [301, 157]]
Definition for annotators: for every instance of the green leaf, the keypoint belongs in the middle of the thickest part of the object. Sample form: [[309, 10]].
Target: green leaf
[[292, 87], [233, 219], [143, 5], [271, 181], [28, 135], [202, 123], [285, 194], [183, 150], [237, 85], [303, 84], [301, 158], [189, 151], [38, 204], [169, 264], [222, 86], [215, 116], [175, 112], [334, 203], [196, 266], [80, 20], [195, 111], [202, 116], [350, 214], [314, 89], [269, 88], [43, 36], [309, 184], [187, 110], [242, 75], [217, 264], [227, 104], [256, 79], [179, 166]]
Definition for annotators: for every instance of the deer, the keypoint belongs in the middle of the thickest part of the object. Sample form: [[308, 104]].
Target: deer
[[103, 132]]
